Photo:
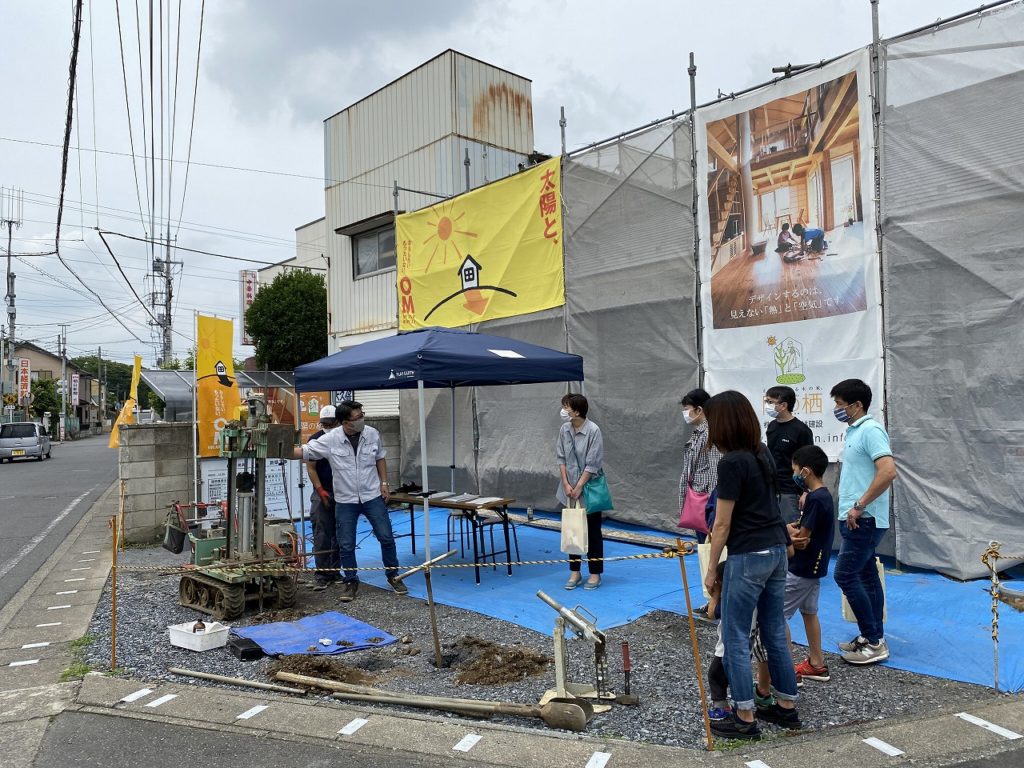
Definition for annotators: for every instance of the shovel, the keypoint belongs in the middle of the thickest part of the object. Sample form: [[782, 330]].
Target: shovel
[[570, 715]]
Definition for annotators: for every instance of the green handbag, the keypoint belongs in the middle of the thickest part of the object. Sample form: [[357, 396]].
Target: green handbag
[[596, 496]]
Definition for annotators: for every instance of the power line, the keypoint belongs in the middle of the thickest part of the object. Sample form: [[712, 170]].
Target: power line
[[72, 72], [205, 253], [128, 112], [129, 282], [92, 87], [192, 122]]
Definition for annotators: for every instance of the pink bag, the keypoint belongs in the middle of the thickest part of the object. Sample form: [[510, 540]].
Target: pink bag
[[692, 515]]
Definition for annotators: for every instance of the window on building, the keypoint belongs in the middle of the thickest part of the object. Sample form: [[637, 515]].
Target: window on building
[[373, 251]]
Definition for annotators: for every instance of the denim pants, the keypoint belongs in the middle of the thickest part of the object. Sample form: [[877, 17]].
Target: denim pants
[[789, 505], [857, 575], [346, 517], [756, 580], [325, 538]]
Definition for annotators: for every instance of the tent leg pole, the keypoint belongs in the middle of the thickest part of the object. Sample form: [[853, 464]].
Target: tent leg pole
[[438, 659], [452, 467]]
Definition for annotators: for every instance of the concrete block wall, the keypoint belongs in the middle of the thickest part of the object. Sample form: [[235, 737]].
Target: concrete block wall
[[155, 463]]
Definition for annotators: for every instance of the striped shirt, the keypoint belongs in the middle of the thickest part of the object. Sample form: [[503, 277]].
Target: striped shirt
[[700, 463]]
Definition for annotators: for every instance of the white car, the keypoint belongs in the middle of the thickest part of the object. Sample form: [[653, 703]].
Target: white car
[[22, 439]]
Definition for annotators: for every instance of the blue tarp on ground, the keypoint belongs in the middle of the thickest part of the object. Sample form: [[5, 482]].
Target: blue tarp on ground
[[286, 637], [936, 626]]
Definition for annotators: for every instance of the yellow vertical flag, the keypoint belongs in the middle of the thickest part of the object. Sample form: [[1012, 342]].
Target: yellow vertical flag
[[217, 395], [490, 253], [127, 414]]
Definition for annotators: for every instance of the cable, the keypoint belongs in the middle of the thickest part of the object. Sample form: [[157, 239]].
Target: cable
[[142, 108], [128, 112], [205, 253], [174, 115], [72, 72], [129, 282], [92, 87], [192, 122]]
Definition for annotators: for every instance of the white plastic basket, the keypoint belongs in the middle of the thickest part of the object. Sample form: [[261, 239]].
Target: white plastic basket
[[214, 636]]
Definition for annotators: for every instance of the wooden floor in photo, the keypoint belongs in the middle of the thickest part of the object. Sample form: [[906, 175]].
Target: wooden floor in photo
[[764, 290]]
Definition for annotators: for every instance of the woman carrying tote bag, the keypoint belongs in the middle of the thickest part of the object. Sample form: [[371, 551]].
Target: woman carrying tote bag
[[580, 455], [699, 477]]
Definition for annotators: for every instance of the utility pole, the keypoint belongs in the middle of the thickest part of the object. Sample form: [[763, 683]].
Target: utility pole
[[12, 205], [162, 301], [99, 383], [62, 343]]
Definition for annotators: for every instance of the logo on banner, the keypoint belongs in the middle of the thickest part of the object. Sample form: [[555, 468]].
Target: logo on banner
[[490, 253], [788, 358], [217, 395]]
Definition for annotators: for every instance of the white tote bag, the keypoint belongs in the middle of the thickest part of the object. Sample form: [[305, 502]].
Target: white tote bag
[[574, 529], [848, 614], [703, 558]]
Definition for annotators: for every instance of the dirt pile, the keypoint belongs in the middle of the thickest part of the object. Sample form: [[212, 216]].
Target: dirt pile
[[325, 667], [481, 662]]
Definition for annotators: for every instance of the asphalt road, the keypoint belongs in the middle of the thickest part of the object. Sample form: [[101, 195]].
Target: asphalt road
[[85, 740], [41, 501]]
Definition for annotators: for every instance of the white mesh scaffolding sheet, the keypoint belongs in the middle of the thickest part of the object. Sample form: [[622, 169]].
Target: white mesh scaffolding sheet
[[953, 258], [630, 313]]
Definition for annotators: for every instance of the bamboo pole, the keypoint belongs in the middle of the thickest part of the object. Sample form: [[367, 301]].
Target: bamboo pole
[[693, 638], [114, 531], [236, 681]]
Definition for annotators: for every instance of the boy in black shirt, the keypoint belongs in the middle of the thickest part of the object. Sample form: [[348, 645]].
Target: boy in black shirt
[[785, 434], [812, 540]]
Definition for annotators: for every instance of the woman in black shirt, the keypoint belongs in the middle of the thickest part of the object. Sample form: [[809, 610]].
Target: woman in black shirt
[[749, 523]]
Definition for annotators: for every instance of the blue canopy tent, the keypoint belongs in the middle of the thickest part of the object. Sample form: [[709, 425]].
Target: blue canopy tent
[[437, 358]]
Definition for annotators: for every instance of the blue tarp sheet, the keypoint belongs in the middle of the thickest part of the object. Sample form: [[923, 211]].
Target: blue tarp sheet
[[936, 626], [440, 357], [286, 637]]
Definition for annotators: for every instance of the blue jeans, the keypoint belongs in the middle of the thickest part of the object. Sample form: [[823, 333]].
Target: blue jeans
[[346, 516], [789, 505], [756, 580], [857, 575], [325, 538]]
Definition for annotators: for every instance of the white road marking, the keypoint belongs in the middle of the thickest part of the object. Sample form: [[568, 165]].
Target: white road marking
[[50, 624], [252, 712], [56, 607], [142, 692], [87, 560], [80, 578], [23, 663], [599, 760], [34, 542], [354, 726], [91, 552], [162, 700], [1004, 732], [34, 645], [468, 742], [883, 746], [81, 569], [757, 764], [67, 592]]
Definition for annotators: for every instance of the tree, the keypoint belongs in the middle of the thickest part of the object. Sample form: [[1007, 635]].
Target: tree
[[119, 378], [288, 321], [45, 397]]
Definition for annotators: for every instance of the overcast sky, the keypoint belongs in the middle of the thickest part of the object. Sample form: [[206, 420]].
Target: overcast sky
[[270, 72]]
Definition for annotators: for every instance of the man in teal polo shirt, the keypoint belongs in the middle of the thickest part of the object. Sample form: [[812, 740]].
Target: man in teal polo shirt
[[868, 471]]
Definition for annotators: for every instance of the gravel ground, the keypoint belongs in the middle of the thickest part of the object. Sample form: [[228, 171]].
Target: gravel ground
[[663, 670]]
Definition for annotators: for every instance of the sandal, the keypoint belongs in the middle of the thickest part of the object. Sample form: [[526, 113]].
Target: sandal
[[574, 581]]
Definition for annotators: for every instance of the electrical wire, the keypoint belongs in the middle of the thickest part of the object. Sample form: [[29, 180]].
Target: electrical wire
[[92, 87], [127, 281], [192, 121], [204, 253], [142, 108], [128, 112]]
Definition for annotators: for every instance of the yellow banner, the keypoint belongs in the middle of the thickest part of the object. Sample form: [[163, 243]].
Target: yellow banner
[[493, 252], [217, 395], [127, 414]]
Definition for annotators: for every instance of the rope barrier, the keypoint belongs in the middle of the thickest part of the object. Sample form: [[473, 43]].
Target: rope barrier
[[990, 559]]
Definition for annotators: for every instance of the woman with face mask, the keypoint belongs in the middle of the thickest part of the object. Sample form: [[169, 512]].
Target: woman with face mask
[[700, 460]]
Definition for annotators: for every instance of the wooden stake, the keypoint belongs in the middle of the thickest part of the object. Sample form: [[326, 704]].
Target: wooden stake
[[696, 650], [114, 530], [438, 659]]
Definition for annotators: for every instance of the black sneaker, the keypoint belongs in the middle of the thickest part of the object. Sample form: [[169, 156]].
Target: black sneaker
[[348, 591], [398, 586], [734, 728], [787, 718]]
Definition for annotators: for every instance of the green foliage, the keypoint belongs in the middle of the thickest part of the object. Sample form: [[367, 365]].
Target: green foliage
[[119, 378], [187, 363], [45, 397], [288, 321]]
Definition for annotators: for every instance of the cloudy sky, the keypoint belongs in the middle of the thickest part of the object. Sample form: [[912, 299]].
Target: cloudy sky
[[270, 72]]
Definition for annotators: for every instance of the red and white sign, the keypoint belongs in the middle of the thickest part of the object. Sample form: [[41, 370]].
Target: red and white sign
[[249, 284], [24, 378], [74, 388]]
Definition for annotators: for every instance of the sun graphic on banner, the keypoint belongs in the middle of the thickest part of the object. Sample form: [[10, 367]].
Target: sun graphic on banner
[[443, 233]]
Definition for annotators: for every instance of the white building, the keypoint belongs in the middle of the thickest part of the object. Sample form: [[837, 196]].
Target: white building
[[417, 133]]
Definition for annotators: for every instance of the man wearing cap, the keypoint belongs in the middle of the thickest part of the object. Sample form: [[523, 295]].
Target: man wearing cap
[[360, 483], [321, 510]]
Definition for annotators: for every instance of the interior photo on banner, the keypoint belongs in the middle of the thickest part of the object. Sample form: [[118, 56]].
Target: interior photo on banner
[[490, 253], [788, 261]]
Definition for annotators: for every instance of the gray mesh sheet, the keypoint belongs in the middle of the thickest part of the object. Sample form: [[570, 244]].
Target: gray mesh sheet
[[953, 192]]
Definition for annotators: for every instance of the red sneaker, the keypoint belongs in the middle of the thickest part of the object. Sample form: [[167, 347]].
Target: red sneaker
[[808, 671]]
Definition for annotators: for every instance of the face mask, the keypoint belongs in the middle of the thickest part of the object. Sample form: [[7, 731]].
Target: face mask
[[772, 413], [841, 414], [799, 481], [565, 415], [356, 425], [688, 417]]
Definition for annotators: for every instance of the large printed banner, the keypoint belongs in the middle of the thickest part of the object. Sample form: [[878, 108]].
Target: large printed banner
[[788, 264], [127, 414], [217, 395], [493, 252]]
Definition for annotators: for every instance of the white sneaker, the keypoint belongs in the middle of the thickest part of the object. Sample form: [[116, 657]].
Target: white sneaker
[[858, 642], [868, 654]]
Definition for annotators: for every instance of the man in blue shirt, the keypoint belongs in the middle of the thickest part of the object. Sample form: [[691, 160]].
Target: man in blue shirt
[[810, 238], [868, 470]]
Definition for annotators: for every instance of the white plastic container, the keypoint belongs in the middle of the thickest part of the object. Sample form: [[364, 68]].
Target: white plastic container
[[214, 636]]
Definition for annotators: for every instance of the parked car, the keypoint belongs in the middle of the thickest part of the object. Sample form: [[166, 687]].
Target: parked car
[[22, 439]]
